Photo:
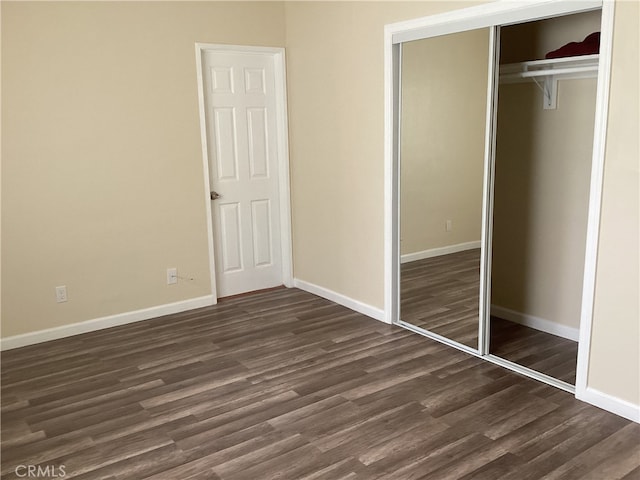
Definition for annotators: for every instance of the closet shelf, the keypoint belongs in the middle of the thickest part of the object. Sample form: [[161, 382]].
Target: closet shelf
[[550, 71], [583, 66]]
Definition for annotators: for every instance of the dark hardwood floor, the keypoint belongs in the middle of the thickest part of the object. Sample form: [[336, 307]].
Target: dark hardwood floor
[[440, 294], [540, 351], [286, 385]]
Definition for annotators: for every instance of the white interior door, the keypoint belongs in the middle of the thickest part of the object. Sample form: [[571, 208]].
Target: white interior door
[[240, 104]]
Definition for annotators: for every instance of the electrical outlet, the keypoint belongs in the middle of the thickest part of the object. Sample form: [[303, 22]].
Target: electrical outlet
[[61, 293], [172, 276], [448, 225]]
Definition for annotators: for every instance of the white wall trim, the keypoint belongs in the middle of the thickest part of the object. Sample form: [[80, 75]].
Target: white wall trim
[[486, 15], [282, 135], [439, 251], [101, 323], [542, 324], [280, 67], [595, 197], [392, 106], [205, 168], [610, 403], [335, 297]]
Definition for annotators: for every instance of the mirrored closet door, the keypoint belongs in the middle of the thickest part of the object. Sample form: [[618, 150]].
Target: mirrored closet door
[[442, 151], [492, 136]]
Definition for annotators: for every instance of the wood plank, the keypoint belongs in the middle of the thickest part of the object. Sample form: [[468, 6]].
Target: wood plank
[[283, 384]]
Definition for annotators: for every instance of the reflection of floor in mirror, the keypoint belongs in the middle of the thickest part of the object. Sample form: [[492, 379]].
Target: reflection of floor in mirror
[[440, 294], [540, 351]]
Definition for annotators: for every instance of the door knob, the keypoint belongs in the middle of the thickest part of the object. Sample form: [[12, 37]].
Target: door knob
[[215, 195]]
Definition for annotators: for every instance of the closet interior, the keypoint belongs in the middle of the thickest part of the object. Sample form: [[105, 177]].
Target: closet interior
[[544, 141], [494, 165]]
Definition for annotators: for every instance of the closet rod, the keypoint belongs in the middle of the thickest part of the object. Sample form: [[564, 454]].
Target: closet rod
[[549, 72]]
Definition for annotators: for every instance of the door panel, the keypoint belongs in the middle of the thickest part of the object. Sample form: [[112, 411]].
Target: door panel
[[254, 80], [221, 80], [230, 237], [225, 141], [261, 223], [258, 144], [241, 129]]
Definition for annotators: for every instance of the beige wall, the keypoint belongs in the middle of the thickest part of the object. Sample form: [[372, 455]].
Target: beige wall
[[444, 91], [543, 170], [615, 346], [336, 125], [101, 159]]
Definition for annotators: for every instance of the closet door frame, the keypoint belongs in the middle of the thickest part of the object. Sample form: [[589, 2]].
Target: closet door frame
[[493, 15]]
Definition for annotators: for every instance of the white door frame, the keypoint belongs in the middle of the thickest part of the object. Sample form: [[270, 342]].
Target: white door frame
[[495, 14], [282, 145]]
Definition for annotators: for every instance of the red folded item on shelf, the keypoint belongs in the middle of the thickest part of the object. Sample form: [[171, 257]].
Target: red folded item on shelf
[[589, 46]]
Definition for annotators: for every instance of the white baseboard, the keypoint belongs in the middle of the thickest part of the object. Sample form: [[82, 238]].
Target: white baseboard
[[63, 331], [350, 303], [436, 252], [538, 323], [610, 403]]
